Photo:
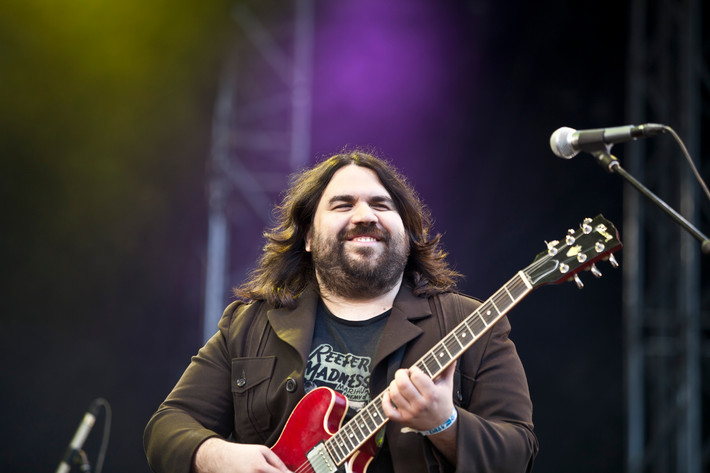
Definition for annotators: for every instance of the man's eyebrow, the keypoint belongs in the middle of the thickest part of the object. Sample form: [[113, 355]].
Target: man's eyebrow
[[352, 198], [341, 198]]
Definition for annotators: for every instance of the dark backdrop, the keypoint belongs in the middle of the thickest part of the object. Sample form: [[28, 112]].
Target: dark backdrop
[[105, 114]]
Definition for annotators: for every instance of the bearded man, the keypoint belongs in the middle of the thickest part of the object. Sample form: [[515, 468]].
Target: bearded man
[[351, 290]]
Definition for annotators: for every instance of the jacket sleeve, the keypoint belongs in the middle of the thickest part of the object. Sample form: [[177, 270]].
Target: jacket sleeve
[[495, 429], [199, 407]]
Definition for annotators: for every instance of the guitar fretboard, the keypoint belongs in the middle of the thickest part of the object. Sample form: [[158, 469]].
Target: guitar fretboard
[[372, 417]]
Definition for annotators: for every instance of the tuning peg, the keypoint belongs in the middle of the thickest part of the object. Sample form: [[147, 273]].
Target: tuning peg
[[578, 281], [570, 239], [552, 247], [586, 227], [595, 271], [613, 261]]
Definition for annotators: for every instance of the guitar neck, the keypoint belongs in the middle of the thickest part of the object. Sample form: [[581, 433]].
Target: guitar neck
[[372, 417]]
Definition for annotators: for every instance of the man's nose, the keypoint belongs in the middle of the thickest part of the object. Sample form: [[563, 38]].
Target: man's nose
[[363, 213]]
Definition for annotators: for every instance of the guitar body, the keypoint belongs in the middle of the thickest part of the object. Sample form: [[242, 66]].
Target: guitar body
[[315, 419]]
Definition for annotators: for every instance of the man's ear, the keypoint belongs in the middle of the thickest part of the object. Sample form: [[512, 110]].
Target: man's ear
[[308, 241]]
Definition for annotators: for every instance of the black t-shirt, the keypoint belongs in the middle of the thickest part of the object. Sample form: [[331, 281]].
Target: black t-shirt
[[341, 358]]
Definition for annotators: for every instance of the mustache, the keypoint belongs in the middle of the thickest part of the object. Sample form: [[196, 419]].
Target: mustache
[[370, 229]]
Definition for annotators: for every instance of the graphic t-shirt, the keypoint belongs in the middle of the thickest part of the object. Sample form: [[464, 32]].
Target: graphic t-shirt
[[342, 354]]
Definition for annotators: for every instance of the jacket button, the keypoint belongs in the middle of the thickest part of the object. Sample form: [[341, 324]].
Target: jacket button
[[290, 385], [459, 397], [241, 382]]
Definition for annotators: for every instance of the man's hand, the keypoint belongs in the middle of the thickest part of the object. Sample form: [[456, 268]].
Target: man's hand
[[217, 455], [415, 401], [418, 402]]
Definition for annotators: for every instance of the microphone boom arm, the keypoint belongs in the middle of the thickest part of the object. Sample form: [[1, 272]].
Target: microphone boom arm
[[611, 164]]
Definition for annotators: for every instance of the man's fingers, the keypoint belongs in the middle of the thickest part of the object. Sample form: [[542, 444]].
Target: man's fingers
[[274, 460]]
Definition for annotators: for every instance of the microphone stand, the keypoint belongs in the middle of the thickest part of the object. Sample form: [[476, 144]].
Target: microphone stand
[[611, 164]]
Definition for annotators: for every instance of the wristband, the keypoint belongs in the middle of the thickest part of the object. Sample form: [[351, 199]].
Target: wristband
[[447, 423]]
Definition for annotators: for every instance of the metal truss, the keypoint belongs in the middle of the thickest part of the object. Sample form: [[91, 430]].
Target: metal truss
[[666, 296], [260, 135]]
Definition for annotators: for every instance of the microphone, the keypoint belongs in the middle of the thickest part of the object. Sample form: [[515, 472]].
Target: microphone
[[567, 142], [82, 432]]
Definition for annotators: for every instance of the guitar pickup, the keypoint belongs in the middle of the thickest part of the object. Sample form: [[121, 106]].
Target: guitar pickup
[[320, 459]]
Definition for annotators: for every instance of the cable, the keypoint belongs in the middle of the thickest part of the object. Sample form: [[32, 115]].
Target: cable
[[689, 159], [106, 434]]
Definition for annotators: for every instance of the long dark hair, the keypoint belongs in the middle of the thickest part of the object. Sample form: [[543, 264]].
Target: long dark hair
[[285, 267]]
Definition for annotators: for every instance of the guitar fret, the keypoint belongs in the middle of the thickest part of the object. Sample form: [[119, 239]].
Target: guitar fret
[[346, 437], [357, 431], [371, 424], [503, 299], [425, 366], [379, 413], [478, 324], [455, 337], [487, 311], [363, 425], [338, 447], [500, 306], [352, 440], [509, 296], [453, 345], [448, 353], [521, 288], [431, 356], [439, 353], [353, 433]]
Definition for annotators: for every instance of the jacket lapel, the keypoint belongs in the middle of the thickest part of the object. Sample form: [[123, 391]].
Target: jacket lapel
[[296, 326], [400, 328]]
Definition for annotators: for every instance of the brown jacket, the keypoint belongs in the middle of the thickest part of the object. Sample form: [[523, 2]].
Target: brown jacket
[[248, 377]]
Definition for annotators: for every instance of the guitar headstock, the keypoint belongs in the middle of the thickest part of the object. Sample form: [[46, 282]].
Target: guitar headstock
[[596, 239]]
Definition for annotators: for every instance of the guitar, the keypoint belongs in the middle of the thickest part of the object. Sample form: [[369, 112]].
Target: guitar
[[313, 439]]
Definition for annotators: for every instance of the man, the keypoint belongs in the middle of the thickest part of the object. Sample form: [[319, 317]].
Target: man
[[351, 290]]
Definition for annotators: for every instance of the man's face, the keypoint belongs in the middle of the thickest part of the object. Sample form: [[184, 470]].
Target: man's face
[[358, 242]]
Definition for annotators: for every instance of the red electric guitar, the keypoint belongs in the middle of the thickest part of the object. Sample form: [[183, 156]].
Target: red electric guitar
[[313, 440]]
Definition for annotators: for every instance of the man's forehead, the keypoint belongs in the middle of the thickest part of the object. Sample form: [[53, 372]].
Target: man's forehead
[[355, 181]]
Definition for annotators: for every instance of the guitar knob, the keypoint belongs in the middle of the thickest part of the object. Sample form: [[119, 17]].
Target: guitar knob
[[578, 281], [595, 271], [613, 261]]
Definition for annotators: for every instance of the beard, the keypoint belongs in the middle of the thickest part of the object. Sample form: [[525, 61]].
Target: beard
[[359, 273]]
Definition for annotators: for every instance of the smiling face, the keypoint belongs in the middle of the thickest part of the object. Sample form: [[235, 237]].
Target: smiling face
[[357, 240]]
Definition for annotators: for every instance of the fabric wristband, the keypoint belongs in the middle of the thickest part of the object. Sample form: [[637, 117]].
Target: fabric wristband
[[447, 423]]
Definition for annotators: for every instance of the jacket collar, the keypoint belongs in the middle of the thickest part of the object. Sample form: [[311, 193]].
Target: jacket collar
[[400, 328], [296, 326]]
